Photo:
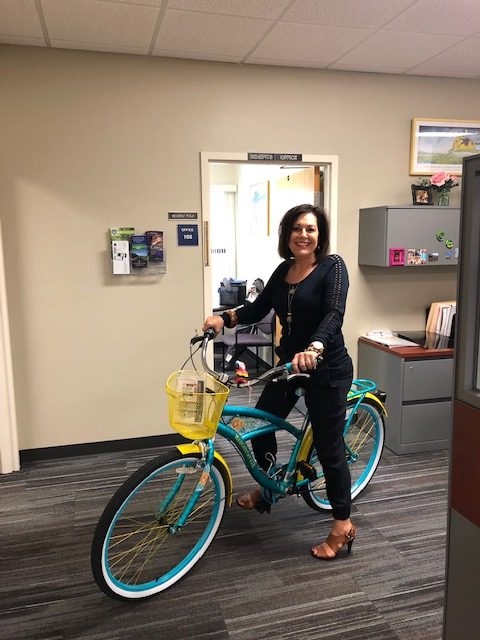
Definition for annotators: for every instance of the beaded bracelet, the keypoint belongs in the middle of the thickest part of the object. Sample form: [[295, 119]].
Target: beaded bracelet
[[230, 318]]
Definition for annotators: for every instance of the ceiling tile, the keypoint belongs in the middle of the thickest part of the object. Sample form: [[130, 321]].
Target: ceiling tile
[[374, 67], [287, 62], [151, 3], [461, 60], [459, 17], [398, 49], [184, 31], [268, 9], [301, 43], [19, 17], [105, 48], [442, 74], [195, 55], [28, 42], [369, 14], [94, 21]]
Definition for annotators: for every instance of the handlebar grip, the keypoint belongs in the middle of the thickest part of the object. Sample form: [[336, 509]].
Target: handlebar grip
[[209, 334]]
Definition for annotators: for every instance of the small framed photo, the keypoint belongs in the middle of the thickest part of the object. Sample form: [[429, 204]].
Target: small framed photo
[[397, 257], [422, 194]]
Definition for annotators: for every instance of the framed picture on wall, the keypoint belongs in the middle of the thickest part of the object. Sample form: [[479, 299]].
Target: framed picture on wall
[[259, 207], [441, 145]]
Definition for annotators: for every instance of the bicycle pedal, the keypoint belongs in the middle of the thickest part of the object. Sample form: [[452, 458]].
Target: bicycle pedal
[[307, 470], [263, 506]]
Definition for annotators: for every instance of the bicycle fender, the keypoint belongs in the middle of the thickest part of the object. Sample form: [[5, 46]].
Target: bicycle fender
[[371, 396], [308, 437], [185, 449]]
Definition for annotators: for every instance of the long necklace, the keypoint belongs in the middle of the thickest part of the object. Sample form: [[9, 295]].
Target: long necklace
[[291, 292]]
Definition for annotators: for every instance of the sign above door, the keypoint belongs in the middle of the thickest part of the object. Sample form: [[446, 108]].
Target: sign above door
[[274, 157]]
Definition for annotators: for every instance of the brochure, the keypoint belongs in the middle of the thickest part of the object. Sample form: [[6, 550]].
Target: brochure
[[191, 402], [155, 245], [139, 251], [121, 257], [121, 233]]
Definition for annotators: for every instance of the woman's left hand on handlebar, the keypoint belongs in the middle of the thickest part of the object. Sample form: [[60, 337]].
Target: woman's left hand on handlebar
[[304, 361], [213, 322]]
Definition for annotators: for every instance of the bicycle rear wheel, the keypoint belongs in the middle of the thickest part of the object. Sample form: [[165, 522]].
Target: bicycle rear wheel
[[134, 552], [364, 443]]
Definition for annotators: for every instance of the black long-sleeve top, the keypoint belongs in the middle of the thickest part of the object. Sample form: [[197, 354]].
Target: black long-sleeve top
[[317, 309]]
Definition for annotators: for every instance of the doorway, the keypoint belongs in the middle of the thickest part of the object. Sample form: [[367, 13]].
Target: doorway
[[223, 228]]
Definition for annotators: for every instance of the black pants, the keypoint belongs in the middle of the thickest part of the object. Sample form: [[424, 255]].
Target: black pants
[[326, 404]]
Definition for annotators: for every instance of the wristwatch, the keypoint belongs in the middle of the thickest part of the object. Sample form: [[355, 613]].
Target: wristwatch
[[316, 346]]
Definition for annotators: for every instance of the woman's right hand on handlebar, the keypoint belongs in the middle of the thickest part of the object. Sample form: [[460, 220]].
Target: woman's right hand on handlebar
[[304, 361], [213, 322]]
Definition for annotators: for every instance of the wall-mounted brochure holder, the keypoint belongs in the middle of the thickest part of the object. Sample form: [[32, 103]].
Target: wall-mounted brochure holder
[[137, 254]]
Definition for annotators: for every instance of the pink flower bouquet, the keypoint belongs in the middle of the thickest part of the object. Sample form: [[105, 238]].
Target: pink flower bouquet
[[442, 181]]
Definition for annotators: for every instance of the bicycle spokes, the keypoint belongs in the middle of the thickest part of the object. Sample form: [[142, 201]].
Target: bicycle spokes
[[161, 527]]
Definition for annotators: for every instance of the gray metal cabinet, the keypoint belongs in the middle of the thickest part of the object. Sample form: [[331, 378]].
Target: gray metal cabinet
[[431, 231], [419, 394]]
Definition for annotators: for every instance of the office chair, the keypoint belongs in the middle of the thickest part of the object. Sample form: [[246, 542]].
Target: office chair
[[260, 334]]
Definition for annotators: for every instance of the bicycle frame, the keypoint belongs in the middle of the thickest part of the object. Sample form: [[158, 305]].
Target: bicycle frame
[[292, 476], [239, 441]]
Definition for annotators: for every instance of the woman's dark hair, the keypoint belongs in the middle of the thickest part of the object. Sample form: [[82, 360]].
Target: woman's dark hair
[[286, 226]]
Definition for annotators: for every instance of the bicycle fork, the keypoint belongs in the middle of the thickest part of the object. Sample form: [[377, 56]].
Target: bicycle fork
[[207, 451]]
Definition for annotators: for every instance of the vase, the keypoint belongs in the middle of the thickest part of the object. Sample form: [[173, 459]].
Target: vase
[[443, 198]]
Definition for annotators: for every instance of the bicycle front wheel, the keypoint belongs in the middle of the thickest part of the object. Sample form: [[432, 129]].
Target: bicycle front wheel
[[135, 552], [364, 445]]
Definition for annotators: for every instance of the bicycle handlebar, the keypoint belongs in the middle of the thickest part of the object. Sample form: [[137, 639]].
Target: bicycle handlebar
[[209, 334], [280, 372]]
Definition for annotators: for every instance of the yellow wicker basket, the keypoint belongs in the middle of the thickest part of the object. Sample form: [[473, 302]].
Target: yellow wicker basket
[[195, 403]]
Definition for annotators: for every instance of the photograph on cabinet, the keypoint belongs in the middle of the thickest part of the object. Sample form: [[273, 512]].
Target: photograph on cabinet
[[422, 194]]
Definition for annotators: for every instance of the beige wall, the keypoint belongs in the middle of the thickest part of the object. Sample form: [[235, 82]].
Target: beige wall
[[90, 141]]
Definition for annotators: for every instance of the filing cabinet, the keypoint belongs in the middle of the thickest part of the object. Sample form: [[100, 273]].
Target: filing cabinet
[[419, 387]]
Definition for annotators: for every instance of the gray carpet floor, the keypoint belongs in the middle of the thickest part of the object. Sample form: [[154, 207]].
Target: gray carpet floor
[[257, 581]]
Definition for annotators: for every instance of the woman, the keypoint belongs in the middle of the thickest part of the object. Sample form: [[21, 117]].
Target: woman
[[308, 293]]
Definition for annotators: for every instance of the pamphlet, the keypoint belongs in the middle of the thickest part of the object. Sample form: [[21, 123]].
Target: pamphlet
[[191, 405], [121, 233], [121, 257], [139, 251], [155, 245]]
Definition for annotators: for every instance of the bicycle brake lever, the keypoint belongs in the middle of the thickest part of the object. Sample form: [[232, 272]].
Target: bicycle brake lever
[[292, 376]]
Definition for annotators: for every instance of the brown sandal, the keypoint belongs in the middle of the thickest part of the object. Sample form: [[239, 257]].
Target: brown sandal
[[334, 543], [254, 500], [249, 500]]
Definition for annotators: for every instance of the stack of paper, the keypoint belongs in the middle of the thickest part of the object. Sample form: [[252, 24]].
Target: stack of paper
[[389, 339], [440, 317]]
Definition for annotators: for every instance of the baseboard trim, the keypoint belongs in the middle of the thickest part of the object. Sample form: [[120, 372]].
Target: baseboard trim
[[107, 446]]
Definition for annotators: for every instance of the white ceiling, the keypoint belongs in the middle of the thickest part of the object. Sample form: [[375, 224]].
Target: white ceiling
[[416, 37]]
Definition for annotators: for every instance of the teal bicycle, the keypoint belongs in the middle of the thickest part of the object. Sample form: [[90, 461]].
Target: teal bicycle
[[164, 517]]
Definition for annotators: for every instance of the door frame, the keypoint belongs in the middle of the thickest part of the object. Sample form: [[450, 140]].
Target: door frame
[[330, 164], [9, 453]]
